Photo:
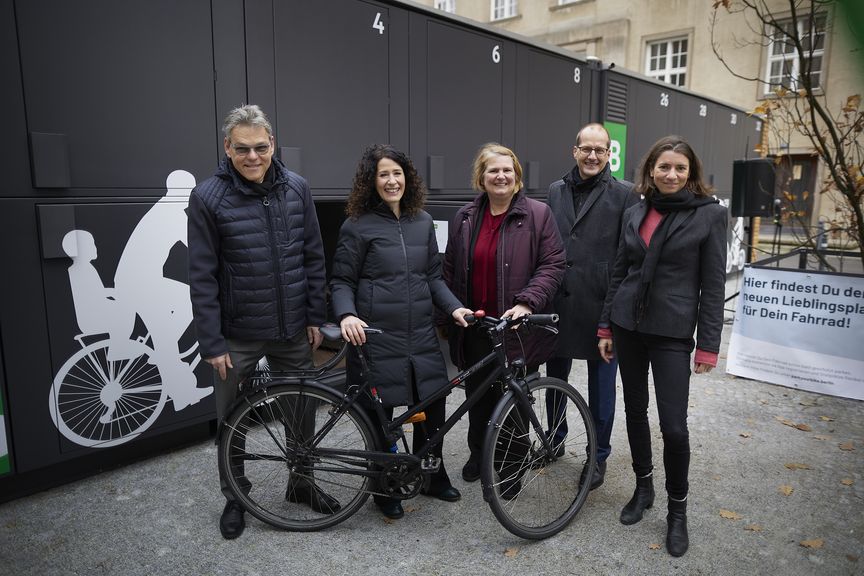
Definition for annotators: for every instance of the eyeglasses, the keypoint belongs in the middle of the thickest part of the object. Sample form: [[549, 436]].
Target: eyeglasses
[[260, 150], [586, 151]]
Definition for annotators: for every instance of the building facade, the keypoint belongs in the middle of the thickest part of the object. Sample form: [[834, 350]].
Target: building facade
[[673, 41]]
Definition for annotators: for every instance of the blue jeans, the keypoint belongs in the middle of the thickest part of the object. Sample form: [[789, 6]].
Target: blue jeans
[[601, 400]]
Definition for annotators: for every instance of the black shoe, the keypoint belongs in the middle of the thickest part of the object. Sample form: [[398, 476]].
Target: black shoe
[[232, 522], [597, 477], [306, 492], [643, 498], [677, 541], [390, 508], [471, 471], [448, 494]]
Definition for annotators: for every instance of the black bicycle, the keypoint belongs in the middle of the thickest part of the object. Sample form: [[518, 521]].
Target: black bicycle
[[291, 428]]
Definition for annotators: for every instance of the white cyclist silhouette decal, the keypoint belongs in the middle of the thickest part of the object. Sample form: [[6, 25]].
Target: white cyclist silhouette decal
[[115, 387]]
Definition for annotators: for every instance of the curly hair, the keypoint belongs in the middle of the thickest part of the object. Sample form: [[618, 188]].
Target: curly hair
[[364, 197], [695, 182]]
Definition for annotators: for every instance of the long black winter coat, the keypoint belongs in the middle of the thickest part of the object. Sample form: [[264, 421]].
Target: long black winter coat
[[387, 272], [591, 241]]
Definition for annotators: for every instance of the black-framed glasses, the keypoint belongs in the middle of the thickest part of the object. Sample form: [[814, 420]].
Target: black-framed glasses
[[260, 149], [586, 151]]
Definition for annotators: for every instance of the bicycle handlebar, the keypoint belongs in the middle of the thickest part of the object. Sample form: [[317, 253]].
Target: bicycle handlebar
[[536, 319]]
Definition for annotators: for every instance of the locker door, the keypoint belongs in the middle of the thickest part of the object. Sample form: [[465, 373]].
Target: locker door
[[118, 94], [333, 84], [463, 98], [552, 99]]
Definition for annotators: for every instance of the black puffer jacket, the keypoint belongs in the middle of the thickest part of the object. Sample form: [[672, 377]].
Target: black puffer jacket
[[256, 263], [387, 272]]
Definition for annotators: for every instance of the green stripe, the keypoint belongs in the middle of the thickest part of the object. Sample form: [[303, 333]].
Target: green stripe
[[4, 464]]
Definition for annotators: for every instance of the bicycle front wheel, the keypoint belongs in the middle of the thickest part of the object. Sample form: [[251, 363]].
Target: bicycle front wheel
[[292, 460], [532, 492]]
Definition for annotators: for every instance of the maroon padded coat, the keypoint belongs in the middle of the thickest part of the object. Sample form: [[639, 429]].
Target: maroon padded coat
[[530, 268]]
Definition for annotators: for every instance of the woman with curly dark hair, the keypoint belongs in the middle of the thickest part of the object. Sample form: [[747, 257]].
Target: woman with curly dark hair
[[387, 274]]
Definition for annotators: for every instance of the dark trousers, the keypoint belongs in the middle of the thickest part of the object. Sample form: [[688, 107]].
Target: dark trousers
[[476, 346], [294, 354], [601, 400], [435, 416], [669, 359]]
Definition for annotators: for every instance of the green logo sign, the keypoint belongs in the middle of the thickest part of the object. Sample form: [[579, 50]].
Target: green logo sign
[[618, 135]]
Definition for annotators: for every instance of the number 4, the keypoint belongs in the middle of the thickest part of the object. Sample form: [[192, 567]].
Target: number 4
[[378, 24]]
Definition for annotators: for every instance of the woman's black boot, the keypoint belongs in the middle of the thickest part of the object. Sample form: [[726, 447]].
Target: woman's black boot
[[676, 531], [642, 499]]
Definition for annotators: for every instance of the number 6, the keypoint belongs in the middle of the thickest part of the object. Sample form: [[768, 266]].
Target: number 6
[[496, 54]]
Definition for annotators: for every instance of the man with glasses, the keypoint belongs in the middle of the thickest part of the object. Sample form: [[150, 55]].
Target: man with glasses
[[256, 276], [588, 204]]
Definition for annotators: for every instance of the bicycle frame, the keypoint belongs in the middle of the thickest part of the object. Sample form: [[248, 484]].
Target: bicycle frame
[[393, 428]]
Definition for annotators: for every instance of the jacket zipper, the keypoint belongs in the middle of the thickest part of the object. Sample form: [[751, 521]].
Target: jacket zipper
[[274, 253], [408, 279]]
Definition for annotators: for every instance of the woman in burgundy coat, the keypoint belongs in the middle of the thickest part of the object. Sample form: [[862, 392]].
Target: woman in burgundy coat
[[504, 256]]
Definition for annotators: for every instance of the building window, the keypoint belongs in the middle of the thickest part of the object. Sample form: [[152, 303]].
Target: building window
[[784, 64], [503, 9], [446, 5], [666, 61]]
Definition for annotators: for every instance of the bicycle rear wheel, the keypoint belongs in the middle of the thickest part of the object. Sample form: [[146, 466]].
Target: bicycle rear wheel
[[269, 459], [532, 493]]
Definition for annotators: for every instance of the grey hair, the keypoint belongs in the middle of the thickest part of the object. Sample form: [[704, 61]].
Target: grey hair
[[248, 115]]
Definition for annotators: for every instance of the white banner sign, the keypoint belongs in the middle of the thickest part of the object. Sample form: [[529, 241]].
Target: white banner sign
[[800, 329]]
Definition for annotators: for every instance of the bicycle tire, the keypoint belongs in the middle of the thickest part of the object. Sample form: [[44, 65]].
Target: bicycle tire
[[262, 458], [531, 494]]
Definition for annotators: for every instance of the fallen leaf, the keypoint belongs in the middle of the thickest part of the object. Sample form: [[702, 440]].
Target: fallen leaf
[[709, 391], [389, 520], [409, 508], [848, 446], [745, 434], [852, 557], [821, 437], [753, 528], [808, 403], [847, 481], [511, 552], [815, 543], [654, 546], [716, 477], [786, 490], [803, 427], [826, 418], [797, 466], [763, 402], [729, 515], [785, 421]]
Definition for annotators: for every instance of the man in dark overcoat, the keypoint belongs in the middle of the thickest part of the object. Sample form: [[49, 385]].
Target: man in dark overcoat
[[588, 204]]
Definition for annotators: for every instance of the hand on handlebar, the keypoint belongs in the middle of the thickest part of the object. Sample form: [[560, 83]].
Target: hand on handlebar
[[516, 311], [352, 330], [459, 316]]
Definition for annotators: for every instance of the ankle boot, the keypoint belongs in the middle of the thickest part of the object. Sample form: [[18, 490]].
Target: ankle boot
[[643, 498], [676, 532]]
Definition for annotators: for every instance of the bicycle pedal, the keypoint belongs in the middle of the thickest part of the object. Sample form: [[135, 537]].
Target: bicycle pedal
[[430, 464]]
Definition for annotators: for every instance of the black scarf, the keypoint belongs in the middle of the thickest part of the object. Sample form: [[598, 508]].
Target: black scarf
[[667, 205], [580, 189]]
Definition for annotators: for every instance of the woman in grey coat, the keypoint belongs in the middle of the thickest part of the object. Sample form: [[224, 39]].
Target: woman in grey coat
[[387, 274]]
